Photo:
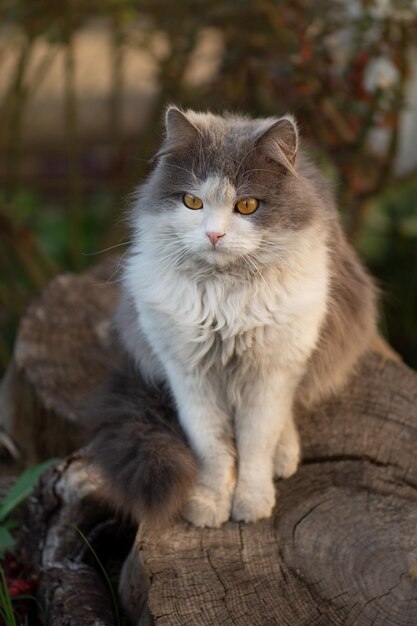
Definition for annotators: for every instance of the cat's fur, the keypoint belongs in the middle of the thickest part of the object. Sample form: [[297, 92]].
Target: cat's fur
[[279, 310]]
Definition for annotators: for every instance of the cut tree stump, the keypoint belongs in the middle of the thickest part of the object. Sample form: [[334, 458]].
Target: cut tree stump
[[340, 549], [62, 353]]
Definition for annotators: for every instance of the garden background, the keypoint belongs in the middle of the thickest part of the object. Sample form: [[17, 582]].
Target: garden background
[[83, 86]]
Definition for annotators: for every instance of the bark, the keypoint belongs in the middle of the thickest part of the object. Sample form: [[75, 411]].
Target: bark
[[72, 588]]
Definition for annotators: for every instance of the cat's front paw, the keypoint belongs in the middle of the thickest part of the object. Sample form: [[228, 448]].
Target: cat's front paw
[[206, 507], [286, 462], [250, 505]]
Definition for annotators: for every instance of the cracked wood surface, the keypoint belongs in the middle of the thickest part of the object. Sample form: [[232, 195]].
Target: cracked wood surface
[[341, 548], [62, 353]]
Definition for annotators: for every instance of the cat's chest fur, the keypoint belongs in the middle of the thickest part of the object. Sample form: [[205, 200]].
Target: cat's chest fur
[[211, 320]]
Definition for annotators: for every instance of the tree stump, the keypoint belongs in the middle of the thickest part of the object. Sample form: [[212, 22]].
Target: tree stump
[[63, 351], [340, 549]]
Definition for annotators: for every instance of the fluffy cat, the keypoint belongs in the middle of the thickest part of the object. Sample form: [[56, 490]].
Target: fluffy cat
[[241, 296]]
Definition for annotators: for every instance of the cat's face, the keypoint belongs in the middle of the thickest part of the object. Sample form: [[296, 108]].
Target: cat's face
[[225, 188], [215, 231]]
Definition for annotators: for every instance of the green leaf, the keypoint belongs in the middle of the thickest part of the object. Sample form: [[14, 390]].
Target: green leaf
[[22, 488], [10, 524], [6, 539]]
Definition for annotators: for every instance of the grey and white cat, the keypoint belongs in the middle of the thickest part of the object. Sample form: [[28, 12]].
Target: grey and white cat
[[242, 295]]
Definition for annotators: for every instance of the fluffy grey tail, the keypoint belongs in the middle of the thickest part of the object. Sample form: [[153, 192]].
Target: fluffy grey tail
[[140, 449]]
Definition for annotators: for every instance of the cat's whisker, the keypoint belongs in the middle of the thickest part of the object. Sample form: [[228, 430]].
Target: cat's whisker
[[118, 269], [179, 167], [278, 246], [251, 189], [245, 157], [174, 258], [260, 169], [108, 282], [252, 261], [117, 245]]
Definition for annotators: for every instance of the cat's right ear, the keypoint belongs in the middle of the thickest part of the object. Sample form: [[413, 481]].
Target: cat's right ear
[[280, 141], [181, 133]]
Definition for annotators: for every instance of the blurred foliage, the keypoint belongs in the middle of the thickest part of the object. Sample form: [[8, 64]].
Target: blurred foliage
[[18, 493], [389, 243], [341, 67]]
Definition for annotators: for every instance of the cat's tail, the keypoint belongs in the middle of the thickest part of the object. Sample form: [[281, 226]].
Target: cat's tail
[[140, 450]]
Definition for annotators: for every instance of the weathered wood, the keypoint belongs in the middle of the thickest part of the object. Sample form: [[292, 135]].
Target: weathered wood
[[62, 352], [72, 590], [341, 547]]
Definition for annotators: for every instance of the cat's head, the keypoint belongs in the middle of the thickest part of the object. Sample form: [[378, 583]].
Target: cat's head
[[225, 188]]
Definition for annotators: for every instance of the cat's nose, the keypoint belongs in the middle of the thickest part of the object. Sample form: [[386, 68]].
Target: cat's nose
[[214, 237]]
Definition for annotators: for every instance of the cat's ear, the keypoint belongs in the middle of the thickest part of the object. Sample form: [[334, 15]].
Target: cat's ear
[[181, 133], [280, 141]]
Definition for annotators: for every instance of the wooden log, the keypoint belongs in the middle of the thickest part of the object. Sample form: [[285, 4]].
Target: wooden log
[[341, 547], [63, 351], [64, 524]]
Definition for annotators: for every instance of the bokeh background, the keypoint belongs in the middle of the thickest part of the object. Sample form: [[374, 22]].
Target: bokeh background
[[83, 86]]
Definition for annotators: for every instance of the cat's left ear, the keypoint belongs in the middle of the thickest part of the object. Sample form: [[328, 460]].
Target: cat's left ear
[[280, 141]]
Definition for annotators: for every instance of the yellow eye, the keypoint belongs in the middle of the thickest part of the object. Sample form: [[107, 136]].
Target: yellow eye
[[247, 206], [192, 202]]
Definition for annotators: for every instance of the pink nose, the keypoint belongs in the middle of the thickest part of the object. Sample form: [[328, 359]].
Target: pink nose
[[214, 237]]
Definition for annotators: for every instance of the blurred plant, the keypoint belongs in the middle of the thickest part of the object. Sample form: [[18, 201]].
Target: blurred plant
[[6, 606], [17, 494], [341, 67], [17, 605], [390, 244]]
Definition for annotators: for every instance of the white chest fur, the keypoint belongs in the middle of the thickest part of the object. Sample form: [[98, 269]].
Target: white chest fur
[[206, 319]]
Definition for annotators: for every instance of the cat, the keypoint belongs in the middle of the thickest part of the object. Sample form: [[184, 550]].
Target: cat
[[241, 296]]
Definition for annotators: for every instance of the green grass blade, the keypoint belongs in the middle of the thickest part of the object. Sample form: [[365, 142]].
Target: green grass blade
[[22, 488], [106, 576], [6, 607]]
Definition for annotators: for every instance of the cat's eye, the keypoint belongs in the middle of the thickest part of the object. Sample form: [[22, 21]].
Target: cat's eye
[[247, 206], [192, 202]]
